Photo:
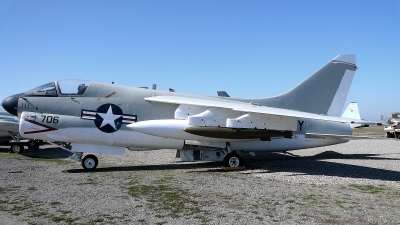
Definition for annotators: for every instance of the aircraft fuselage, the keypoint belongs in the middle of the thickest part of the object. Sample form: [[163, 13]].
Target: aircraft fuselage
[[63, 118]]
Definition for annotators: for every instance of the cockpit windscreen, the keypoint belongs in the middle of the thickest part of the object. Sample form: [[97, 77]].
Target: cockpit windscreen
[[62, 87], [72, 87], [48, 89]]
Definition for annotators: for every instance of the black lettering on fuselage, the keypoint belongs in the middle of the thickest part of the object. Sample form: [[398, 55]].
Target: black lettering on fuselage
[[300, 124]]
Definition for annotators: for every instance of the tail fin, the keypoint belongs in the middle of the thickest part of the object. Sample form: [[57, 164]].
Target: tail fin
[[352, 111], [324, 92]]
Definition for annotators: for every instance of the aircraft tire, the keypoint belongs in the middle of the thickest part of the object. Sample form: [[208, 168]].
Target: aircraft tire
[[389, 135], [17, 148], [90, 162], [233, 160], [33, 145]]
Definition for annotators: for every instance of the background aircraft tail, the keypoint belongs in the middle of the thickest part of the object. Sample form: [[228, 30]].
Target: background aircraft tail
[[352, 111], [324, 92]]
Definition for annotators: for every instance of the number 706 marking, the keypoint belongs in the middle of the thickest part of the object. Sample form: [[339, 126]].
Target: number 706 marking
[[50, 119]]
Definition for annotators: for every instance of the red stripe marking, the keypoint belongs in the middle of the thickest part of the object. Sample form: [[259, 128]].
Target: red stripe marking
[[39, 124], [129, 119]]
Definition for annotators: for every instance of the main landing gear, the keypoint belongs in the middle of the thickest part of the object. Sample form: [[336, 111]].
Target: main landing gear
[[17, 148], [232, 160], [33, 144], [89, 162]]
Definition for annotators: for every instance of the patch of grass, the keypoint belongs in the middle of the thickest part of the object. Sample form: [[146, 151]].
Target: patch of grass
[[9, 190], [24, 206], [371, 131], [59, 161], [339, 203], [38, 214], [9, 154], [31, 189], [65, 211], [55, 203], [369, 189], [290, 201], [70, 220], [175, 202], [202, 218], [333, 216], [98, 220], [89, 181], [304, 216], [57, 218]]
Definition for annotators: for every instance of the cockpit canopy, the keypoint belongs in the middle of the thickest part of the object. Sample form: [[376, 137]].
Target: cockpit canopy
[[60, 87]]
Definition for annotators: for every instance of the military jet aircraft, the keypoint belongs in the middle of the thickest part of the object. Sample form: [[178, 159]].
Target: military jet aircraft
[[107, 118], [9, 126]]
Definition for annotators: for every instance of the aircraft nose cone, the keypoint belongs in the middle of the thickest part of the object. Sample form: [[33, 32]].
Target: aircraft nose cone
[[10, 104]]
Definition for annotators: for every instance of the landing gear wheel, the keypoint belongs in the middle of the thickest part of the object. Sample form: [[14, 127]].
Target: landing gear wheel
[[90, 162], [233, 160], [33, 144], [17, 148]]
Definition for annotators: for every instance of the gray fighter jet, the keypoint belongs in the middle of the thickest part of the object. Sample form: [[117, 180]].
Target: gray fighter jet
[[9, 126], [107, 118]]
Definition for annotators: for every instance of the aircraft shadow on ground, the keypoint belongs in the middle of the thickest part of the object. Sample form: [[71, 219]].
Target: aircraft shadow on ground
[[171, 166], [262, 163], [277, 162], [48, 153], [316, 165]]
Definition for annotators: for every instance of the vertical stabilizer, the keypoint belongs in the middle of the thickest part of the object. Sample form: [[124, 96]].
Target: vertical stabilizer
[[352, 111], [324, 92]]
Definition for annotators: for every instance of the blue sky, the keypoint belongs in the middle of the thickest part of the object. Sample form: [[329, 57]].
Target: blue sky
[[251, 49]]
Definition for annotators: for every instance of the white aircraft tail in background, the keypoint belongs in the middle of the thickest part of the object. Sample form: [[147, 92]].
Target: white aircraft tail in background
[[352, 112]]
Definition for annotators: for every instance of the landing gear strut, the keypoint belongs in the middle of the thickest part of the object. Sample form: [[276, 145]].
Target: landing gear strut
[[88, 162]]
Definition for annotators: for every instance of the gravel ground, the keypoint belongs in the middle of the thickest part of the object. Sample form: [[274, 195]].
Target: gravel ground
[[353, 183]]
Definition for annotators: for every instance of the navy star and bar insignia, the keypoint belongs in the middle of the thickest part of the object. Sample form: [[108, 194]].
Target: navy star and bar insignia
[[108, 117]]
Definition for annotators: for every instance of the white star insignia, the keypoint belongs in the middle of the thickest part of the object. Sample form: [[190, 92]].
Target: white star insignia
[[109, 118]]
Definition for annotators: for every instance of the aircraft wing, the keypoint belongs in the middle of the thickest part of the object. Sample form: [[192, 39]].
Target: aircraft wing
[[248, 108]]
